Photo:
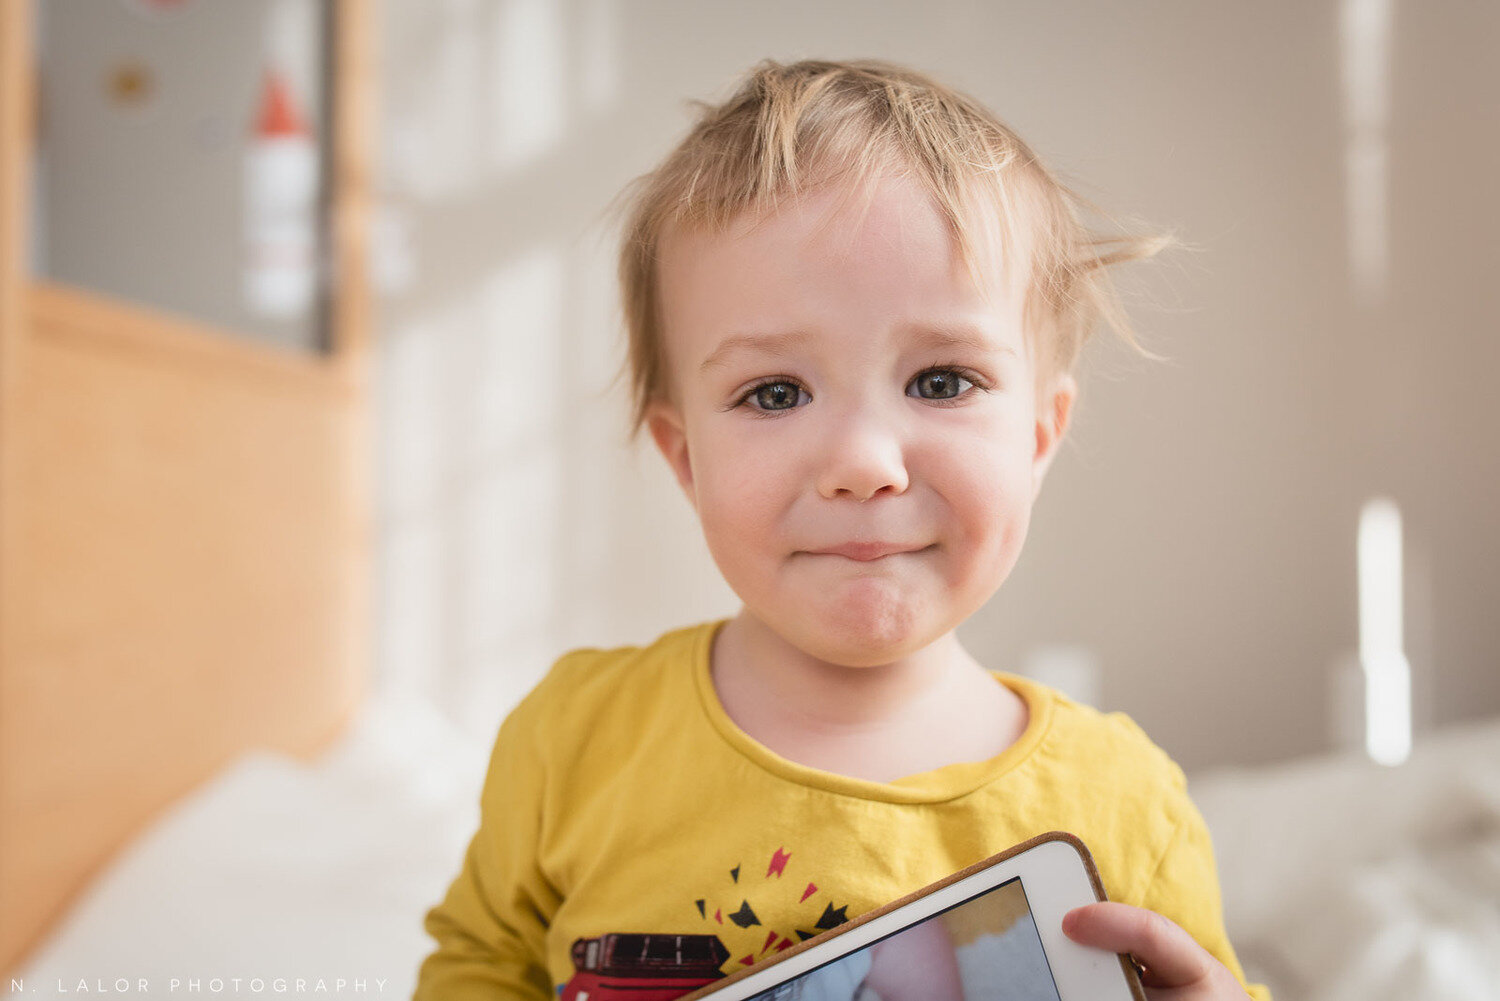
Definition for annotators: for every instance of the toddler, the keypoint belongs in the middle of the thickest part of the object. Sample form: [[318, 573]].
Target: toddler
[[854, 300]]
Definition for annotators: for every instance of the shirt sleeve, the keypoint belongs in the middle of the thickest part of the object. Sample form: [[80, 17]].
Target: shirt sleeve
[[491, 926], [1185, 889]]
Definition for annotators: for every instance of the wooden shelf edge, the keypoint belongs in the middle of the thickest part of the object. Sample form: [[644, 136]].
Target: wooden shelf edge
[[63, 312]]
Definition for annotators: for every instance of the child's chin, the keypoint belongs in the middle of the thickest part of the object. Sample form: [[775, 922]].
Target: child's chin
[[865, 634]]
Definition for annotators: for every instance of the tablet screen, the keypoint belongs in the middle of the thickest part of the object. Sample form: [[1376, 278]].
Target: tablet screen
[[985, 948]]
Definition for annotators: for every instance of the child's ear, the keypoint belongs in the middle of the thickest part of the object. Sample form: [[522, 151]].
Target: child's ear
[[667, 429], [1054, 407]]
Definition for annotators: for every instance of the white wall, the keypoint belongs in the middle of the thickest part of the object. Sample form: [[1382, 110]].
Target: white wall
[[1197, 533]]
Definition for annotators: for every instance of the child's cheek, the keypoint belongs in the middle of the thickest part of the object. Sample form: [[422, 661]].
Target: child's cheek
[[738, 502], [991, 497]]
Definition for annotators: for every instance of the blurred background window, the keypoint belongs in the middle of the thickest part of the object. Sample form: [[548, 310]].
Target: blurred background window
[[179, 159]]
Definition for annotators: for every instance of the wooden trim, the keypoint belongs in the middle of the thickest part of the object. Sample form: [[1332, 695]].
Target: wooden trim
[[17, 140], [352, 139], [17, 127], [64, 312], [17, 137], [351, 316]]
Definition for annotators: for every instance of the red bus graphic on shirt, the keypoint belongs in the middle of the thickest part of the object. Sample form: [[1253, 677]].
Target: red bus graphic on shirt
[[643, 967]]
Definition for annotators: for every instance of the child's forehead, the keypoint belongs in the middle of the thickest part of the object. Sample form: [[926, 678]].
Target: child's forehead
[[717, 321], [831, 209], [836, 257], [888, 214]]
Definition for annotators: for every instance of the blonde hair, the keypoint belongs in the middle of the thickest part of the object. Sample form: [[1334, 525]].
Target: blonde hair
[[791, 128]]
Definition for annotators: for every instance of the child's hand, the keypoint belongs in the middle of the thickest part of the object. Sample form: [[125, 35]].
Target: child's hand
[[1177, 967]]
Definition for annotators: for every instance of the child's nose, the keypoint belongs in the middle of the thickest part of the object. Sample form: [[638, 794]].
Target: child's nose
[[864, 458]]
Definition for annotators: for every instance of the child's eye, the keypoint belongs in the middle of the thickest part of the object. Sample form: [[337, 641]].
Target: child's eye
[[774, 394], [939, 384]]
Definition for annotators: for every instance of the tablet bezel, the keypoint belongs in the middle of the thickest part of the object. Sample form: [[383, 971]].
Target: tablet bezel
[[1057, 873]]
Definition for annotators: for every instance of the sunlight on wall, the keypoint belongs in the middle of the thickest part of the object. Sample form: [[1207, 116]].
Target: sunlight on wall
[[411, 598], [1365, 28], [412, 387], [1382, 654], [1365, 56], [471, 484], [525, 82], [504, 594], [482, 89], [412, 589], [598, 68], [481, 455], [514, 356], [439, 134]]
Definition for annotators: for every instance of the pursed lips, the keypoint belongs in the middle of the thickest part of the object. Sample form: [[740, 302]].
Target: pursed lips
[[866, 552]]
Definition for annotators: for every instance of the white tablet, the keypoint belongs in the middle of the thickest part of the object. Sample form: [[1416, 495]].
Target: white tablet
[[992, 931]]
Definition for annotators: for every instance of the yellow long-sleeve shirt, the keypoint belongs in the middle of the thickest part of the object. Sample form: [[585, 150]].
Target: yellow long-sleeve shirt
[[622, 802]]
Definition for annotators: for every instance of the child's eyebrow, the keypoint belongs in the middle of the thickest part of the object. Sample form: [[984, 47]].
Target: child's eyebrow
[[958, 335], [758, 343]]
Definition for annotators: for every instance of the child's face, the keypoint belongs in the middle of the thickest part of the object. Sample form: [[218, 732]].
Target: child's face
[[821, 406]]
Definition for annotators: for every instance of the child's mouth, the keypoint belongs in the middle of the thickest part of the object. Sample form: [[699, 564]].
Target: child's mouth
[[866, 552]]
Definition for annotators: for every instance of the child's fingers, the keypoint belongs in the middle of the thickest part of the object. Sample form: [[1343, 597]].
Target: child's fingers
[[1174, 957]]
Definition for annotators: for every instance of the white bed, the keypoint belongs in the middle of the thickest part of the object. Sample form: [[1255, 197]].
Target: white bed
[[1342, 879], [278, 870]]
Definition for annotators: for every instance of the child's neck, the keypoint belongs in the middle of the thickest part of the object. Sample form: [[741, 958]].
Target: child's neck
[[934, 707]]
